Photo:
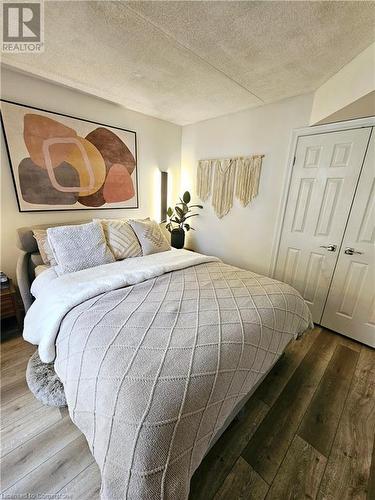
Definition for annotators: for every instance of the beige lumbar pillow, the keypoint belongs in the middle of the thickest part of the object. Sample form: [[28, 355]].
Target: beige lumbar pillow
[[121, 238], [151, 238], [44, 247]]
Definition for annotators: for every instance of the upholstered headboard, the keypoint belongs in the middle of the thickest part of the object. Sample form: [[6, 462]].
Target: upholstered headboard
[[30, 258]]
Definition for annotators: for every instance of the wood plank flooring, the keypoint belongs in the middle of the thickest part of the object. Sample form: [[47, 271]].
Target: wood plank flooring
[[307, 432]]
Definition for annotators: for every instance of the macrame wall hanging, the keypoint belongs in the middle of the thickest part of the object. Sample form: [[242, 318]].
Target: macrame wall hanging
[[204, 179], [226, 176]]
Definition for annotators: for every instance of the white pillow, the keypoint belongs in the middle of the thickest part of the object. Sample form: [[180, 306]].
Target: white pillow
[[151, 238], [78, 247], [121, 238]]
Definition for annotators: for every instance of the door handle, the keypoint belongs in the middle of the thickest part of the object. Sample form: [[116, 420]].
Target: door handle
[[329, 248], [351, 251]]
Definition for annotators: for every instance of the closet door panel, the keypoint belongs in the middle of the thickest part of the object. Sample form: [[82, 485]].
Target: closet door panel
[[351, 300], [323, 183]]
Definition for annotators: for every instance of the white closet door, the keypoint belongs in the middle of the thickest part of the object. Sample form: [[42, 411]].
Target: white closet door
[[350, 307], [324, 178]]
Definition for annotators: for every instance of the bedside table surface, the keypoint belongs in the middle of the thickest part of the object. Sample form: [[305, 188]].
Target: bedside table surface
[[9, 290]]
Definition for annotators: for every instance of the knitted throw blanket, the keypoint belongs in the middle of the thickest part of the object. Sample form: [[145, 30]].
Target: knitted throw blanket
[[152, 370]]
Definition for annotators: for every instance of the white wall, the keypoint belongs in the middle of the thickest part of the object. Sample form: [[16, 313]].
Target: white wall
[[355, 80], [159, 147], [245, 236]]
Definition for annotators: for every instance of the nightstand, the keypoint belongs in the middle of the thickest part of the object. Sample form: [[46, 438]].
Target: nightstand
[[8, 303]]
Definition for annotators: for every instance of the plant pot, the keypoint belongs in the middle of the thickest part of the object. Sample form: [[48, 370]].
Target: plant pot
[[177, 238]]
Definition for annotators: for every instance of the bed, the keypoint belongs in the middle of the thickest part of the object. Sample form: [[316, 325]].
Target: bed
[[157, 354]]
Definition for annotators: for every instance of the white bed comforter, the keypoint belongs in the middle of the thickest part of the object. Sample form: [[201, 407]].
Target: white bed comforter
[[56, 296]]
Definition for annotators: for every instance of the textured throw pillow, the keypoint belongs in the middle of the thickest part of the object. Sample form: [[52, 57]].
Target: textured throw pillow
[[121, 238], [44, 247], [79, 247], [151, 238]]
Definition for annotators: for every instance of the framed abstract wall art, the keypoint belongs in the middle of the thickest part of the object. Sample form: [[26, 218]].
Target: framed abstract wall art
[[59, 162]]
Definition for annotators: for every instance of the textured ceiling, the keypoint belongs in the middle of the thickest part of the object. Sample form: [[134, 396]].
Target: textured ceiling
[[189, 61]]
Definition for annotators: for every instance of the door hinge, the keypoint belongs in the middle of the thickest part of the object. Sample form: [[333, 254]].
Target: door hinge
[[294, 161]]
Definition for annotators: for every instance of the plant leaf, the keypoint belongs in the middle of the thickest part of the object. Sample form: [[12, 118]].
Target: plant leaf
[[169, 212], [179, 212], [186, 197], [184, 208]]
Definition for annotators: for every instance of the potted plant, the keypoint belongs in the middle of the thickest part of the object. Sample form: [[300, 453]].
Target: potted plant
[[177, 220]]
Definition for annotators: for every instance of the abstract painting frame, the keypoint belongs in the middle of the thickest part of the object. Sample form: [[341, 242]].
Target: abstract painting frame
[[61, 162]]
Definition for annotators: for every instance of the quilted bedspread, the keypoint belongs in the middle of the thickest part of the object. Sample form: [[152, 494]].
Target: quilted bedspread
[[151, 371]]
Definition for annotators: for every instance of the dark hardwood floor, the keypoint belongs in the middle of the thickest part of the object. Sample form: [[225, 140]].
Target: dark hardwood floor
[[307, 432]]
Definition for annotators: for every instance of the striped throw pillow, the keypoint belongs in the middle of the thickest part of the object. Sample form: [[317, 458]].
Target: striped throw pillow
[[121, 238], [44, 247]]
